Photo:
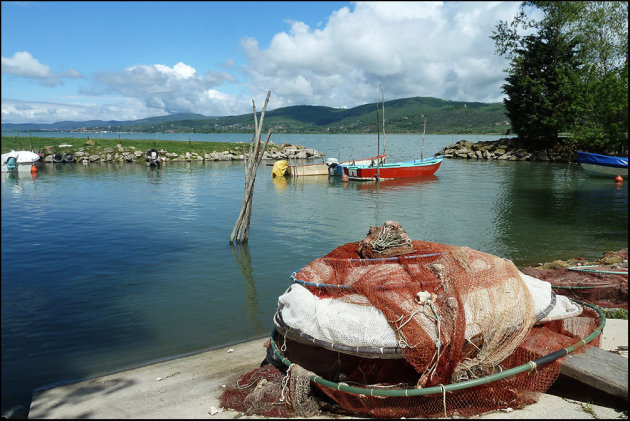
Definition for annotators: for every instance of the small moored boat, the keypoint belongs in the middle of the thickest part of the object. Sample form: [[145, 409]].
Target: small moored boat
[[603, 165], [330, 167], [19, 160], [393, 170]]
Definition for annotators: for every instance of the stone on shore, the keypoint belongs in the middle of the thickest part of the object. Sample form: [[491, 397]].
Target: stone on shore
[[131, 154], [510, 149]]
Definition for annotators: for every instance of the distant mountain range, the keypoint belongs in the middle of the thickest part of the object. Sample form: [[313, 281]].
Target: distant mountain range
[[401, 116]]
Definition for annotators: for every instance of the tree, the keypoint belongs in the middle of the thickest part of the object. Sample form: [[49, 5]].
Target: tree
[[540, 86], [568, 72], [603, 29]]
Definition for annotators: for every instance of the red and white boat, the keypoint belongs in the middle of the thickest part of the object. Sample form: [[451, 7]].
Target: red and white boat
[[406, 169]]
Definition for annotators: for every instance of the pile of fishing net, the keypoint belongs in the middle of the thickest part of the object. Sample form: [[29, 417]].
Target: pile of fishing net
[[603, 282], [390, 327]]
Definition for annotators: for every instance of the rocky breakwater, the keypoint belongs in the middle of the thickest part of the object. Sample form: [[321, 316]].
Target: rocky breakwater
[[92, 154], [509, 149]]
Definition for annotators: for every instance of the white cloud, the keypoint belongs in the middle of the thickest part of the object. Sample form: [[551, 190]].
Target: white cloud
[[173, 90], [146, 91], [434, 49], [438, 49], [211, 103], [179, 71], [15, 111], [23, 64]]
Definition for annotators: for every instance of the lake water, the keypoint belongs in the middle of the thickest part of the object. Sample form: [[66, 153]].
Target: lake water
[[110, 266]]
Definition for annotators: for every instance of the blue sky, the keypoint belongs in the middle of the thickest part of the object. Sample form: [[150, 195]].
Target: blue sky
[[128, 60]]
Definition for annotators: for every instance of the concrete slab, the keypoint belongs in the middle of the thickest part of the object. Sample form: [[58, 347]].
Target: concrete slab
[[615, 337], [190, 387], [186, 387]]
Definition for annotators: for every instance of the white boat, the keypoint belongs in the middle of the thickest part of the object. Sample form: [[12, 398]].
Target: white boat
[[331, 167], [19, 160]]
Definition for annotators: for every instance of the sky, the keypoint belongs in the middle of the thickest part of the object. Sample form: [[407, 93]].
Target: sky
[[109, 60]]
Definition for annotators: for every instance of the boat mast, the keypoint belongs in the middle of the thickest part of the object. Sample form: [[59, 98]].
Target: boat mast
[[383, 125], [423, 132], [378, 147]]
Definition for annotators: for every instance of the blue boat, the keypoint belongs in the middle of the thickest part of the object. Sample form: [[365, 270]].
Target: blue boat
[[603, 165]]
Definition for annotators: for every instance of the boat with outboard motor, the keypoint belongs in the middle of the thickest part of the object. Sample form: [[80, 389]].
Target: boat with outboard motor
[[332, 166], [19, 160]]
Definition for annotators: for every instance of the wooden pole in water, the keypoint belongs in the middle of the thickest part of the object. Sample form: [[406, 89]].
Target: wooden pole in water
[[251, 161]]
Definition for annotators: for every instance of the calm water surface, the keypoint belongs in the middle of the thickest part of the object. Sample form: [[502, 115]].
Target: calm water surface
[[110, 266]]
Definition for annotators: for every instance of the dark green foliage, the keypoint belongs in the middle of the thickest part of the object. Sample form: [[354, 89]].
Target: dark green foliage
[[568, 73], [540, 87], [606, 101]]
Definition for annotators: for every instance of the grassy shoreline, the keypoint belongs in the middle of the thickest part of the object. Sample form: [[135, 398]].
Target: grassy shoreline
[[96, 146]]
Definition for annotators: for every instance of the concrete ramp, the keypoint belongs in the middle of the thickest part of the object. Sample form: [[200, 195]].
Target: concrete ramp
[[190, 387]]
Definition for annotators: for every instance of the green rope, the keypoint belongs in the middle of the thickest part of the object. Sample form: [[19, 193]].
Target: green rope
[[587, 269], [529, 366]]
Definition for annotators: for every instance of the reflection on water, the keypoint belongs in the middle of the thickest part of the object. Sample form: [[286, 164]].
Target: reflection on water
[[280, 183], [19, 182], [395, 184], [555, 213], [243, 260], [10, 179], [153, 172]]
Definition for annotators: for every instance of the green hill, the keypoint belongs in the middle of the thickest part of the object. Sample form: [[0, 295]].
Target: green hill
[[401, 116]]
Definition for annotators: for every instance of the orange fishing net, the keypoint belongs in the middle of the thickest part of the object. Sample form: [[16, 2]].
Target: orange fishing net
[[603, 289], [442, 301], [458, 315], [596, 282]]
